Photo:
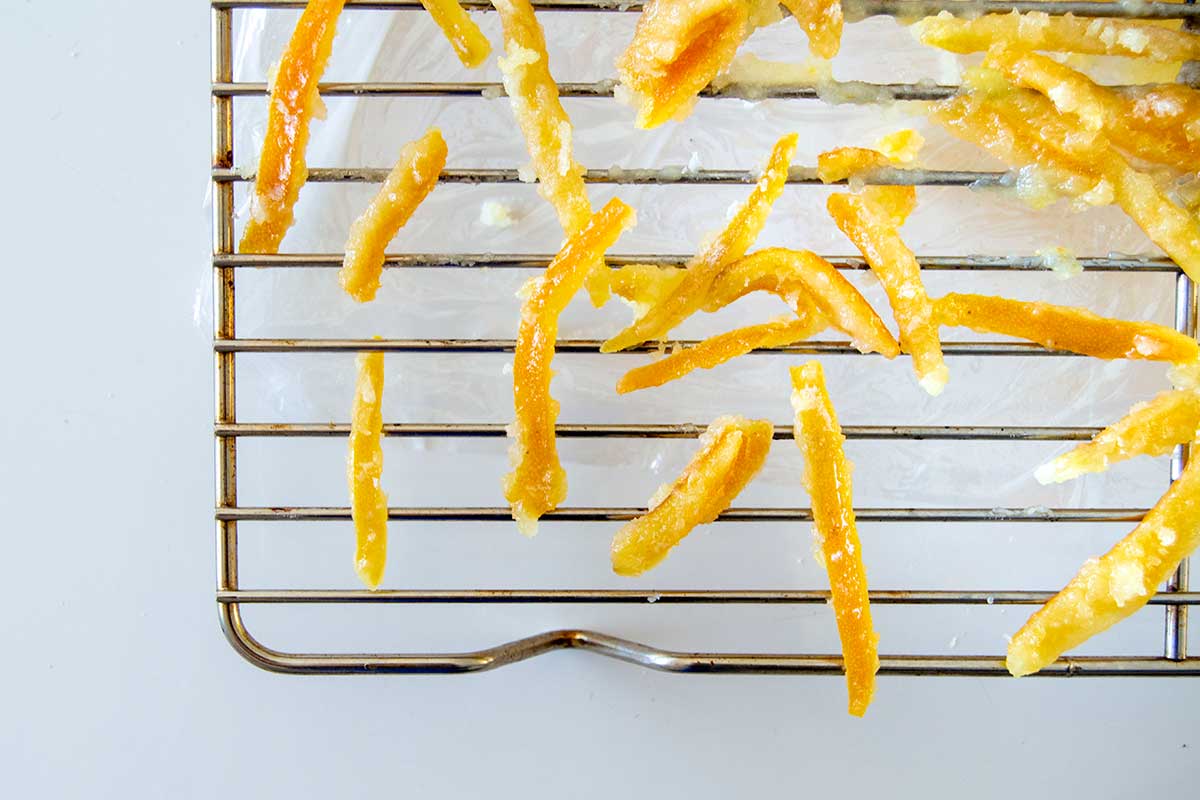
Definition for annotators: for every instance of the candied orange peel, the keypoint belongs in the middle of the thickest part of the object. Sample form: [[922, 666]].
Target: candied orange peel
[[801, 273], [533, 95], [732, 451], [1152, 428], [1037, 30], [1112, 587], [538, 482], [1025, 129], [823, 21], [364, 468], [679, 46], [854, 163], [1069, 328], [1149, 124], [872, 230], [469, 43], [716, 350], [827, 476], [294, 101], [409, 183], [730, 244]]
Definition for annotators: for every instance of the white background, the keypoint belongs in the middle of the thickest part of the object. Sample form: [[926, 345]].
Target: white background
[[114, 678]]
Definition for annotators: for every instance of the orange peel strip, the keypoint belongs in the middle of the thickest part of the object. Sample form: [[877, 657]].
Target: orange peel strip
[[294, 101], [409, 183], [1151, 126], [1025, 128], [822, 20], [533, 95], [645, 285], [791, 273], [844, 163], [1069, 328], [1152, 428], [1110, 588], [827, 474], [716, 350], [732, 451], [538, 482], [730, 244], [679, 46], [469, 43], [364, 467], [1037, 30], [870, 228]]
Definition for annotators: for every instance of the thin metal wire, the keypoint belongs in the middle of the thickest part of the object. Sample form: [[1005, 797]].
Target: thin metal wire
[[228, 430]]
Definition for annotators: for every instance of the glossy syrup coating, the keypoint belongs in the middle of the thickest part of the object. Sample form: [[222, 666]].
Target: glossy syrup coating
[[469, 43]]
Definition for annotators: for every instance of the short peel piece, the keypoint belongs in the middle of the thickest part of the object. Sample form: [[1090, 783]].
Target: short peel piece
[[293, 102], [533, 95], [827, 476], [538, 482], [872, 231], [823, 21], [469, 43], [1076, 330], [409, 183], [732, 451], [364, 468], [730, 244], [1152, 428], [1112, 587], [717, 350], [679, 46]]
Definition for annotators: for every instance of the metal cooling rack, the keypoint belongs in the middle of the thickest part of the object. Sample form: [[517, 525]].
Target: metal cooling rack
[[1173, 659]]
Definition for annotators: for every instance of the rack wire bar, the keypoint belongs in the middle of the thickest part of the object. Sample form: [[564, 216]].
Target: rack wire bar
[[853, 9], [228, 430]]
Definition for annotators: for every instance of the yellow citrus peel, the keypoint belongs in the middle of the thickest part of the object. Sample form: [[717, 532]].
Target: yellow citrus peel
[[679, 46], [469, 43], [533, 95], [364, 467], [822, 20], [1037, 30], [1112, 587], [731, 453], [294, 101], [1075, 330], [538, 482], [716, 350], [1152, 428], [731, 243], [409, 183], [827, 477], [870, 227]]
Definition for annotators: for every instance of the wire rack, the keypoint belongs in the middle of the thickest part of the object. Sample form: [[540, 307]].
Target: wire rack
[[229, 430]]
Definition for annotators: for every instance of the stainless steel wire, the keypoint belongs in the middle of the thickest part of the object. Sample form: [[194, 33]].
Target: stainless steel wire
[[228, 429]]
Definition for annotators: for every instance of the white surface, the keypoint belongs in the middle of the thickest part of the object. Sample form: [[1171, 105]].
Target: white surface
[[116, 681]]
